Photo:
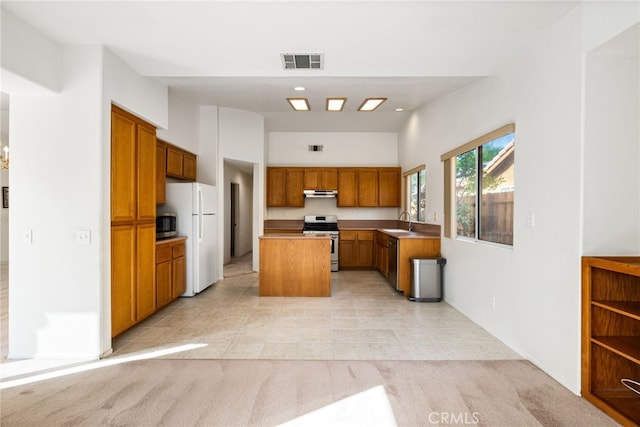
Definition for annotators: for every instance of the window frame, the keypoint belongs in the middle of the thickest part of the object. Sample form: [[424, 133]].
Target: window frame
[[450, 205], [406, 176]]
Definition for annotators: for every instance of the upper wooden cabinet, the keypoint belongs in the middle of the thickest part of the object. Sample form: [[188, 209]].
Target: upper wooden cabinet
[[133, 168], [146, 174], [161, 172], [181, 164], [357, 186], [389, 187], [189, 167], [347, 187], [284, 187], [320, 179], [369, 187]]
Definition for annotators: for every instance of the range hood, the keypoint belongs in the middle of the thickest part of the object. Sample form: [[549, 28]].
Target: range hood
[[326, 194]]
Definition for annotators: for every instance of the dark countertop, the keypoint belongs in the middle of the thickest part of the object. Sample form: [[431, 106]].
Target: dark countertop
[[171, 240], [420, 230], [294, 236]]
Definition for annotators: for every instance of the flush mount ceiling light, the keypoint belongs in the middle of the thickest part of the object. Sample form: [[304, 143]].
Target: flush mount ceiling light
[[335, 104], [371, 104], [299, 104], [302, 61]]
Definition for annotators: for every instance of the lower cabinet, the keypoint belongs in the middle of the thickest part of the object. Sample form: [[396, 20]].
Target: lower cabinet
[[356, 248], [133, 296], [382, 253], [171, 270]]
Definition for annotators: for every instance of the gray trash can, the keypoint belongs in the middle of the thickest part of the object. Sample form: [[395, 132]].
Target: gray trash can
[[427, 279]]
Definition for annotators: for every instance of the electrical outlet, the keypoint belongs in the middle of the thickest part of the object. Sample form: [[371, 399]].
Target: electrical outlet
[[492, 301], [28, 236]]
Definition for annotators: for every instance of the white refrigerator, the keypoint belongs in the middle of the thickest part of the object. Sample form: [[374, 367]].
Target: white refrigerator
[[195, 205]]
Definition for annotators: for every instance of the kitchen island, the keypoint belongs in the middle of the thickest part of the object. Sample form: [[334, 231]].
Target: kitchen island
[[295, 265]]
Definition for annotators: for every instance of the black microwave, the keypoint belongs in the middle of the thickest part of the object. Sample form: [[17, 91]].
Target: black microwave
[[166, 225]]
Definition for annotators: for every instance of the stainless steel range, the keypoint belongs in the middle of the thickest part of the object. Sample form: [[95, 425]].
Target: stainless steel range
[[324, 224]]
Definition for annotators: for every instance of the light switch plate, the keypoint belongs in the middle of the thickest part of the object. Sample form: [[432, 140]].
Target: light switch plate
[[83, 237]]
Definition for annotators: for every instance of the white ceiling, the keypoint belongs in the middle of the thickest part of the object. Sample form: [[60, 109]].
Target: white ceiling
[[227, 53]]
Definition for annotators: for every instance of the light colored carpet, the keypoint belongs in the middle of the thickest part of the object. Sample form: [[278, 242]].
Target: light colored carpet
[[324, 393]]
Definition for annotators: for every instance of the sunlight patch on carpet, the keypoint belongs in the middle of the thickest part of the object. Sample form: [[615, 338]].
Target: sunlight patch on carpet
[[368, 408], [96, 365]]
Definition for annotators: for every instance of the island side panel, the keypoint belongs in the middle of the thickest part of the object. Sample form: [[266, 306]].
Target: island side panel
[[413, 248], [295, 266]]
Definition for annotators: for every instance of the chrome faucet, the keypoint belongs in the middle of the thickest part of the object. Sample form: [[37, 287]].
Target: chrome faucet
[[408, 216]]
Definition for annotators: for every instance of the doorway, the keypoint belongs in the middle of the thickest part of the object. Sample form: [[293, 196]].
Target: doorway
[[233, 224], [238, 217]]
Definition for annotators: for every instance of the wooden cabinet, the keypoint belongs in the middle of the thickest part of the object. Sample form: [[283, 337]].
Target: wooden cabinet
[[171, 272], [347, 187], [164, 291], [320, 179], [408, 247], [369, 187], [146, 269], [133, 203], [611, 335], [161, 172], [357, 186], [123, 278], [356, 248], [285, 187], [181, 164], [389, 187], [382, 253], [295, 266]]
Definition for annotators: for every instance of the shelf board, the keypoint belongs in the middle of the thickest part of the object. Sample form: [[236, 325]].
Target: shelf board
[[626, 308], [625, 265], [625, 402], [625, 346]]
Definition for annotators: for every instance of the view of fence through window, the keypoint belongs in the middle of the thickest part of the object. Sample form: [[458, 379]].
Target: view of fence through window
[[417, 195], [492, 220]]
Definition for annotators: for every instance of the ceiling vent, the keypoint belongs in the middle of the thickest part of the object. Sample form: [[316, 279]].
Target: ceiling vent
[[302, 61]]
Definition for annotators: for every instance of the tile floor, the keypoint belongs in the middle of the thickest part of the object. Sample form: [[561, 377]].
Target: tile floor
[[364, 319]]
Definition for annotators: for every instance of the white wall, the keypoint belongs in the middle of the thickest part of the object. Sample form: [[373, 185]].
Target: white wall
[[208, 137], [55, 291], [183, 124], [612, 150], [30, 61], [536, 284], [340, 149], [59, 299], [241, 137]]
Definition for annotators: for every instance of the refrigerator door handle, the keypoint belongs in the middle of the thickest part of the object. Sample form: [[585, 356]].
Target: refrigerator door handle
[[200, 215]]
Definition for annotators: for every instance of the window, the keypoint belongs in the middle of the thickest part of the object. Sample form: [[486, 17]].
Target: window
[[415, 184], [479, 187]]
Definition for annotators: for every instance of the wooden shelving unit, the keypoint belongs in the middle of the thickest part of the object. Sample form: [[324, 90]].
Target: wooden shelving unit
[[611, 335]]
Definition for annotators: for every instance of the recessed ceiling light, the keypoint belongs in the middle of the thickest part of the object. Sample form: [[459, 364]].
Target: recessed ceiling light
[[299, 104], [335, 104], [299, 88], [399, 110], [371, 104]]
